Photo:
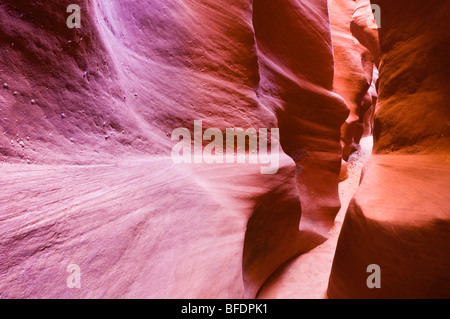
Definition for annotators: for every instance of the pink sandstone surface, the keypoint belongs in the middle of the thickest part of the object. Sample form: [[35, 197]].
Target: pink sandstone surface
[[87, 115], [92, 115]]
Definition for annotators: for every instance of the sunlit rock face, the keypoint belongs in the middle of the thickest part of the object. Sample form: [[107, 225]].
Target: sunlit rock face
[[399, 218], [87, 116], [355, 67]]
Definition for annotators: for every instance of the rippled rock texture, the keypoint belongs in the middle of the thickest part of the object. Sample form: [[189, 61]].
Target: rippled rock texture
[[87, 119], [87, 116]]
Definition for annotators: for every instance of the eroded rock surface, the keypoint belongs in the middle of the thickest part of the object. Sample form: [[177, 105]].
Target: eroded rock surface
[[399, 218], [354, 68], [92, 109]]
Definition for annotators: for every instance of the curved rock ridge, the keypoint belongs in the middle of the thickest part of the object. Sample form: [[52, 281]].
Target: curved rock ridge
[[365, 28], [94, 108], [399, 218], [355, 63], [296, 82]]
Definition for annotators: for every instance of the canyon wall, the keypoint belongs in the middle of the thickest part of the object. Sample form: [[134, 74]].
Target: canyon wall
[[399, 218], [87, 116], [86, 122], [354, 66]]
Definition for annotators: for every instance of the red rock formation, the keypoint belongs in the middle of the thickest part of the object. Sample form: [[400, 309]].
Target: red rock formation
[[110, 94], [365, 29], [295, 65], [399, 219], [354, 64]]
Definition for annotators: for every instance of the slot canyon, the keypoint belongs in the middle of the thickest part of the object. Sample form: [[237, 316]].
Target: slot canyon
[[90, 115]]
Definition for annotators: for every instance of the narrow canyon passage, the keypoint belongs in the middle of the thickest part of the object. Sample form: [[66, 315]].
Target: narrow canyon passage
[[105, 169], [306, 276]]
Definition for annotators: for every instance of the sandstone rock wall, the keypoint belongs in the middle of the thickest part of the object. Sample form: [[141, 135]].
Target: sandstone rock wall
[[107, 96], [399, 218]]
